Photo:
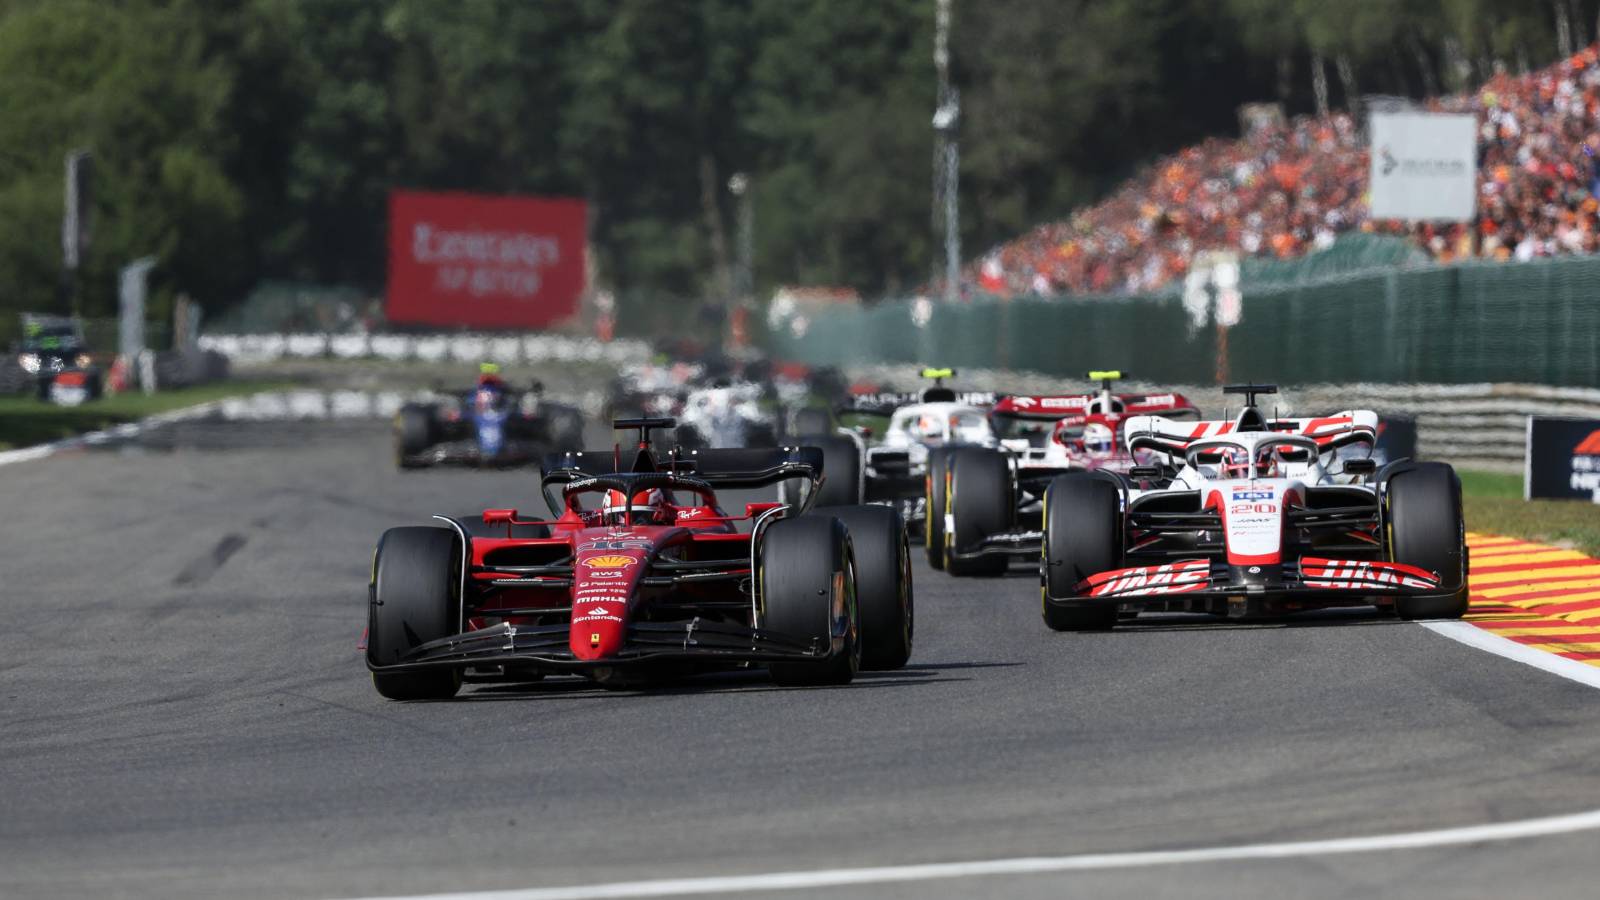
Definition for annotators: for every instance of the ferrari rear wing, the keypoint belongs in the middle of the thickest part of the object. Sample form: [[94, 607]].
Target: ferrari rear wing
[[720, 468]]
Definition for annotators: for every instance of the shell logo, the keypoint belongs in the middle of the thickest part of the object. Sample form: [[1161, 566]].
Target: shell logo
[[609, 562]]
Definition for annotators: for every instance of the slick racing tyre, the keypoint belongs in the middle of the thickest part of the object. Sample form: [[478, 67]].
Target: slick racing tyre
[[804, 562], [883, 582], [1082, 537], [978, 504], [812, 421], [935, 485], [414, 585], [565, 428], [475, 527], [841, 468], [1426, 530], [413, 433]]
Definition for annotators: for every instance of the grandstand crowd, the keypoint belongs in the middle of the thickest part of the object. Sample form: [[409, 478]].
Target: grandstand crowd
[[1290, 188]]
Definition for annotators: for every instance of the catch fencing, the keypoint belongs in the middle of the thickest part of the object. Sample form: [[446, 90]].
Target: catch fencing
[[1464, 323]]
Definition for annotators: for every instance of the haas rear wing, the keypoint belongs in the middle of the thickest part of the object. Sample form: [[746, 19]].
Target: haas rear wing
[[1164, 435]]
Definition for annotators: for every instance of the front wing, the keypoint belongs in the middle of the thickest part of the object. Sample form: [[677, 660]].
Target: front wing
[[1206, 585], [547, 647], [465, 452]]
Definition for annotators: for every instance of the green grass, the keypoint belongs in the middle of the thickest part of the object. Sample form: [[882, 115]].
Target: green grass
[[25, 420], [1494, 505]]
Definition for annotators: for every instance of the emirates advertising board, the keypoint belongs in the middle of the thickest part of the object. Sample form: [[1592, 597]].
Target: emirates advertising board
[[483, 261]]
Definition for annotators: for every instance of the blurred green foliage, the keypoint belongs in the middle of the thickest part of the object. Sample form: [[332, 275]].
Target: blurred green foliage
[[241, 140]]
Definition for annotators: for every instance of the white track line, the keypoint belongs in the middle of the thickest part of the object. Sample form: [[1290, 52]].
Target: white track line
[[1483, 639], [125, 430], [825, 878]]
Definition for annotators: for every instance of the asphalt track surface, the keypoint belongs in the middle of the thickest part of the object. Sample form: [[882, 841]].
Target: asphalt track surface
[[183, 713]]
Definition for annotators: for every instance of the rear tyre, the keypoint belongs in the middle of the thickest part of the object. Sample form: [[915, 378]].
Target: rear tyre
[[413, 602], [413, 433], [1426, 530], [812, 421], [883, 583], [801, 559], [935, 487], [841, 466], [979, 503], [1082, 537], [566, 428]]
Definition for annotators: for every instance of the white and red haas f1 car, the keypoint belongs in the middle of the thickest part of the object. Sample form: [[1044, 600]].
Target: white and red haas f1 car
[[1253, 516], [644, 575], [985, 504]]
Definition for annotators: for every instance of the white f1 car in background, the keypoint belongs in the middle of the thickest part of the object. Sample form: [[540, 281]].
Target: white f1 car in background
[[888, 463], [986, 500], [1253, 516]]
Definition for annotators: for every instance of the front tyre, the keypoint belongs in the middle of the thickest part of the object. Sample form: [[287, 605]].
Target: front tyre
[[808, 592], [1427, 530], [883, 582], [413, 601], [936, 484], [413, 434], [1082, 537], [979, 504]]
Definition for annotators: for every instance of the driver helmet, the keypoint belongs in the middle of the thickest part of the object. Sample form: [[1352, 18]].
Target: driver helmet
[[1234, 462], [649, 508], [1098, 440], [489, 377]]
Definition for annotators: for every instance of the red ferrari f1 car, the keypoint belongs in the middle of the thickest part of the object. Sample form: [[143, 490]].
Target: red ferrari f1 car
[[643, 574]]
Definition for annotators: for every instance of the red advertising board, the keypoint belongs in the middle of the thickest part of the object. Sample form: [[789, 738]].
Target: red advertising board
[[484, 261]]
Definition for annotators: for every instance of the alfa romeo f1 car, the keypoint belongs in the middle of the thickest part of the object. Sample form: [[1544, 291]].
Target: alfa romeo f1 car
[[1253, 516], [644, 574], [919, 426], [490, 425], [985, 503]]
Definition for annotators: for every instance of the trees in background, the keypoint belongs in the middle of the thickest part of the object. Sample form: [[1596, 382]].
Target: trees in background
[[238, 140]]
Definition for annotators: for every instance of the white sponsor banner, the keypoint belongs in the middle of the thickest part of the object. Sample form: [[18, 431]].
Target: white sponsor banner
[[1424, 166]]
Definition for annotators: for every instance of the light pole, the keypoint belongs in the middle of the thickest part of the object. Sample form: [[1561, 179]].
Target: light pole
[[946, 153], [944, 122], [744, 282]]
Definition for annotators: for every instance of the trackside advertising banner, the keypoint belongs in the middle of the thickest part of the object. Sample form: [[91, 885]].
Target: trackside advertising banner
[[483, 261], [1563, 459]]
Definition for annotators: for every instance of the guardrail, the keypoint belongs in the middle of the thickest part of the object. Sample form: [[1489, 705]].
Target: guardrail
[[468, 348]]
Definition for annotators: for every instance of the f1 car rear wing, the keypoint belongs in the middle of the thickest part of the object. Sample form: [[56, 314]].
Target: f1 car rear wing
[[720, 468], [1163, 435], [1058, 406], [884, 403]]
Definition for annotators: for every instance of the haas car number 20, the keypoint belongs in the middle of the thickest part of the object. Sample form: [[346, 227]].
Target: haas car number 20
[[1253, 516]]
